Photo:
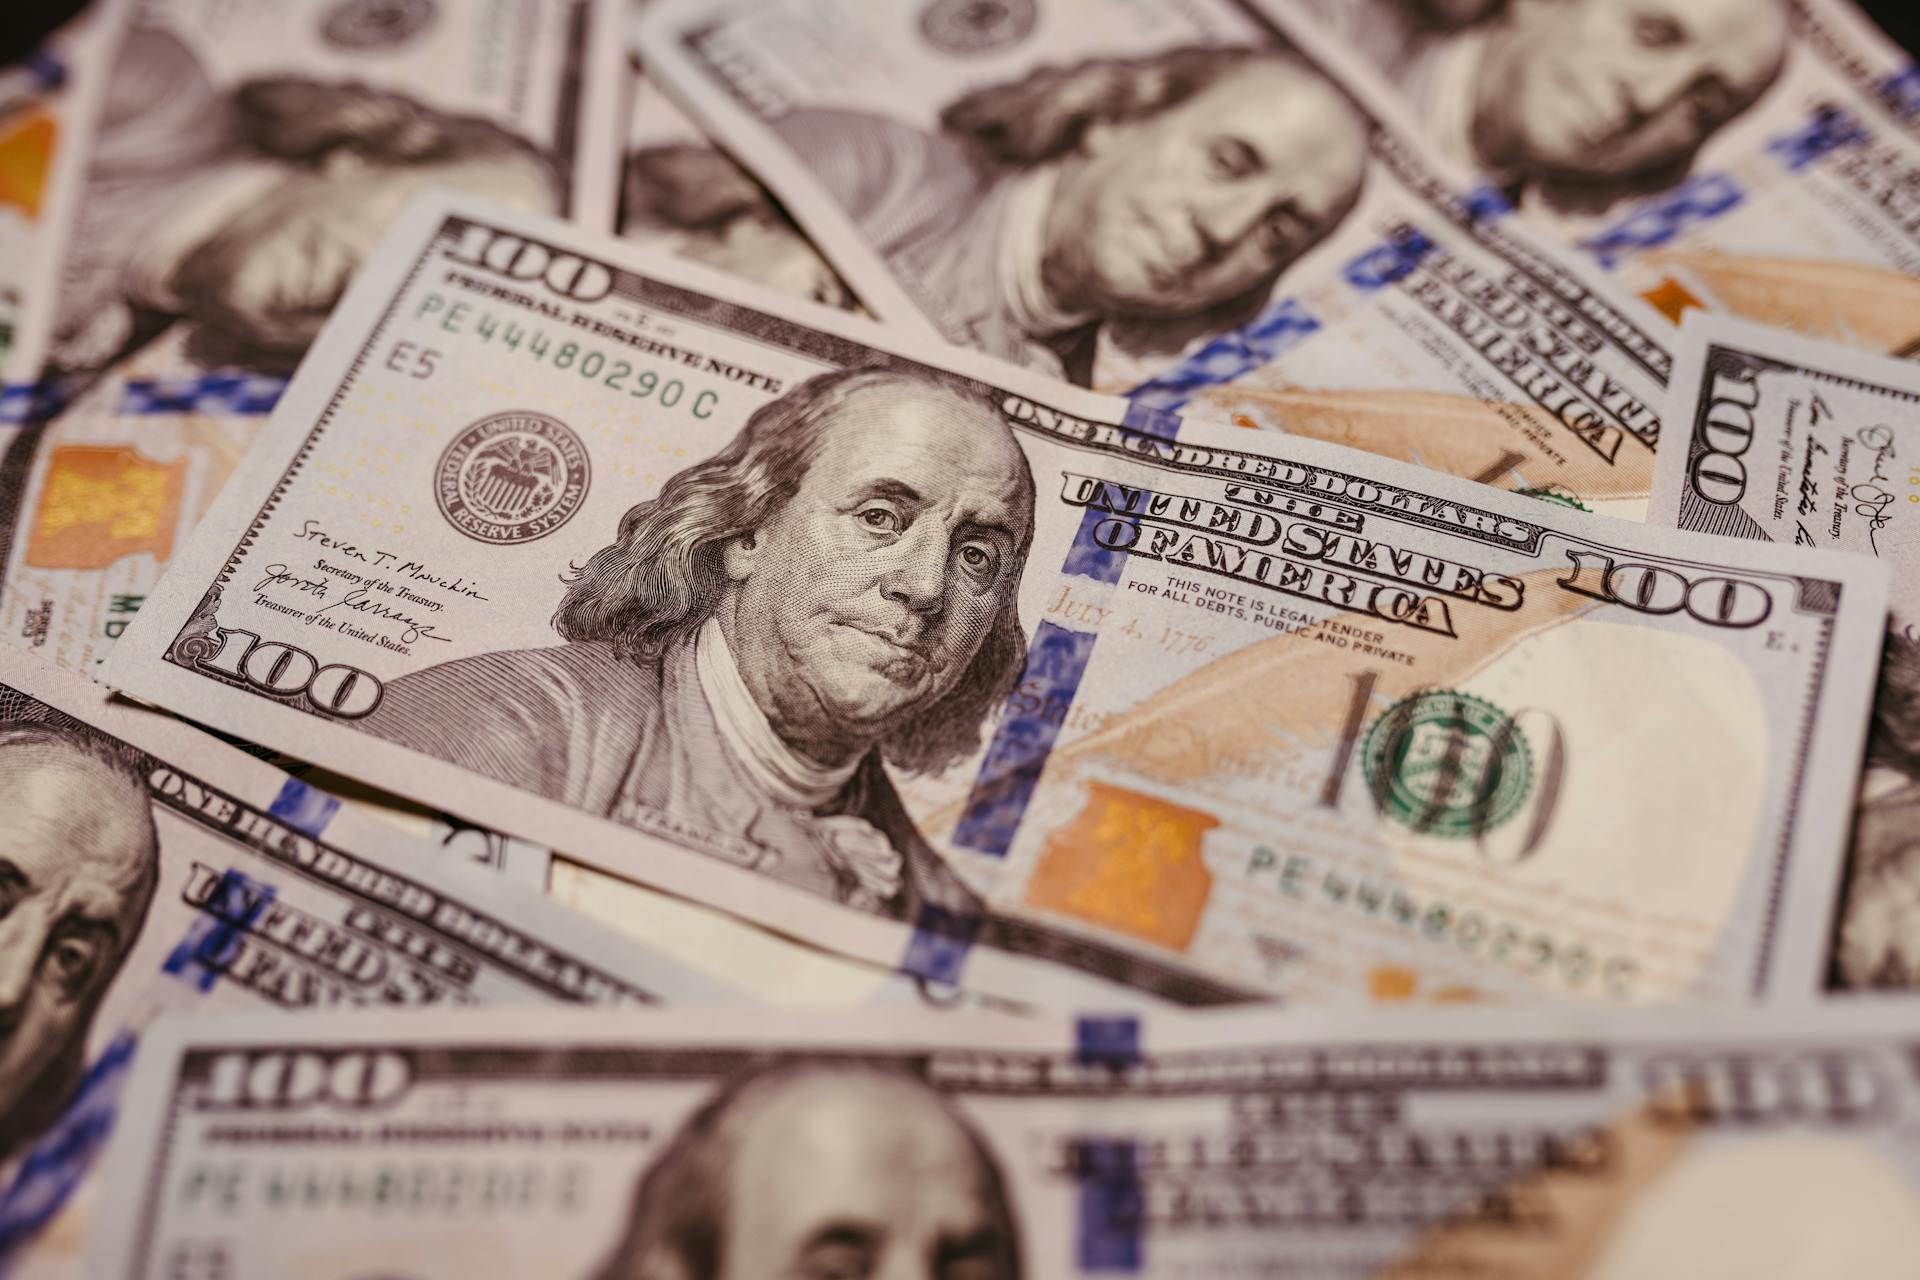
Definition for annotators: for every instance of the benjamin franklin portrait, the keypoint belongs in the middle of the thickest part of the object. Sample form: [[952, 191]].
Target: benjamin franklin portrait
[[711, 211], [79, 859], [821, 1169], [1168, 190], [1582, 104], [831, 596], [1878, 938], [244, 212]]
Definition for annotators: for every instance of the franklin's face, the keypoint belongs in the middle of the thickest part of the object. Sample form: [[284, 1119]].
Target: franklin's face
[[1608, 89], [1169, 214], [272, 274], [850, 1178], [76, 865], [865, 598]]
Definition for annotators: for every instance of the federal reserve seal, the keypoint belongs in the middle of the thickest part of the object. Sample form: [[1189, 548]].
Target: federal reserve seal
[[966, 27], [1447, 764], [360, 25], [512, 477]]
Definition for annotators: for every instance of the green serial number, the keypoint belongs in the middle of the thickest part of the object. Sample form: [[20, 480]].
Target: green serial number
[[1533, 953], [591, 363]]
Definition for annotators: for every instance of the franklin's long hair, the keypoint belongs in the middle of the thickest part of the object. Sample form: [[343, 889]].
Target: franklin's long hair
[[305, 123], [688, 185], [1044, 115], [663, 576], [40, 1104], [1894, 739], [302, 120], [676, 1227], [1047, 114]]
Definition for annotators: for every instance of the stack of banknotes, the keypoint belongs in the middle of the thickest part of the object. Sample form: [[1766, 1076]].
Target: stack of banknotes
[[1069, 638]]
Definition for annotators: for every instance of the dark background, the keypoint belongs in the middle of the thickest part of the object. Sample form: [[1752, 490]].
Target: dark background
[[24, 23], [1901, 18]]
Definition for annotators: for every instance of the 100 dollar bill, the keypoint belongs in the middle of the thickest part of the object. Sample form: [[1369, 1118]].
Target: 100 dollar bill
[[1747, 157], [148, 868], [1793, 441], [1193, 205], [1469, 1147], [951, 667], [242, 159], [680, 193]]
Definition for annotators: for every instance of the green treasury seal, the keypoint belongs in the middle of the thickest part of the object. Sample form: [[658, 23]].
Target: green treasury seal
[[1447, 764]]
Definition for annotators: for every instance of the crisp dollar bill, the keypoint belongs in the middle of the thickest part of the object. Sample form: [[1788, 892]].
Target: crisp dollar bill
[[1798, 442], [242, 162], [942, 664], [148, 868], [679, 192], [1470, 1147], [1751, 157], [1187, 204]]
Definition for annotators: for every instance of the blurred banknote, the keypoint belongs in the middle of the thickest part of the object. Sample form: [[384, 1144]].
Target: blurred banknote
[[694, 938], [673, 1145], [45, 104], [243, 161], [1754, 157], [1798, 442], [679, 192], [148, 868], [942, 664], [522, 862], [1184, 204]]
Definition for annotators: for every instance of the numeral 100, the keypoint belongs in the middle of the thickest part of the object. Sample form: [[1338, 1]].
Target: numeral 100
[[294, 1078], [1656, 589], [1763, 1088], [287, 671], [567, 274]]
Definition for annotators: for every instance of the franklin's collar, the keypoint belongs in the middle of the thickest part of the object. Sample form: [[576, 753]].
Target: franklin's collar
[[1446, 88], [787, 775], [1023, 247], [199, 210]]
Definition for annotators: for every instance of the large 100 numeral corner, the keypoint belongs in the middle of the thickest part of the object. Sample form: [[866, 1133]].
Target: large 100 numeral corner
[[200, 637]]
